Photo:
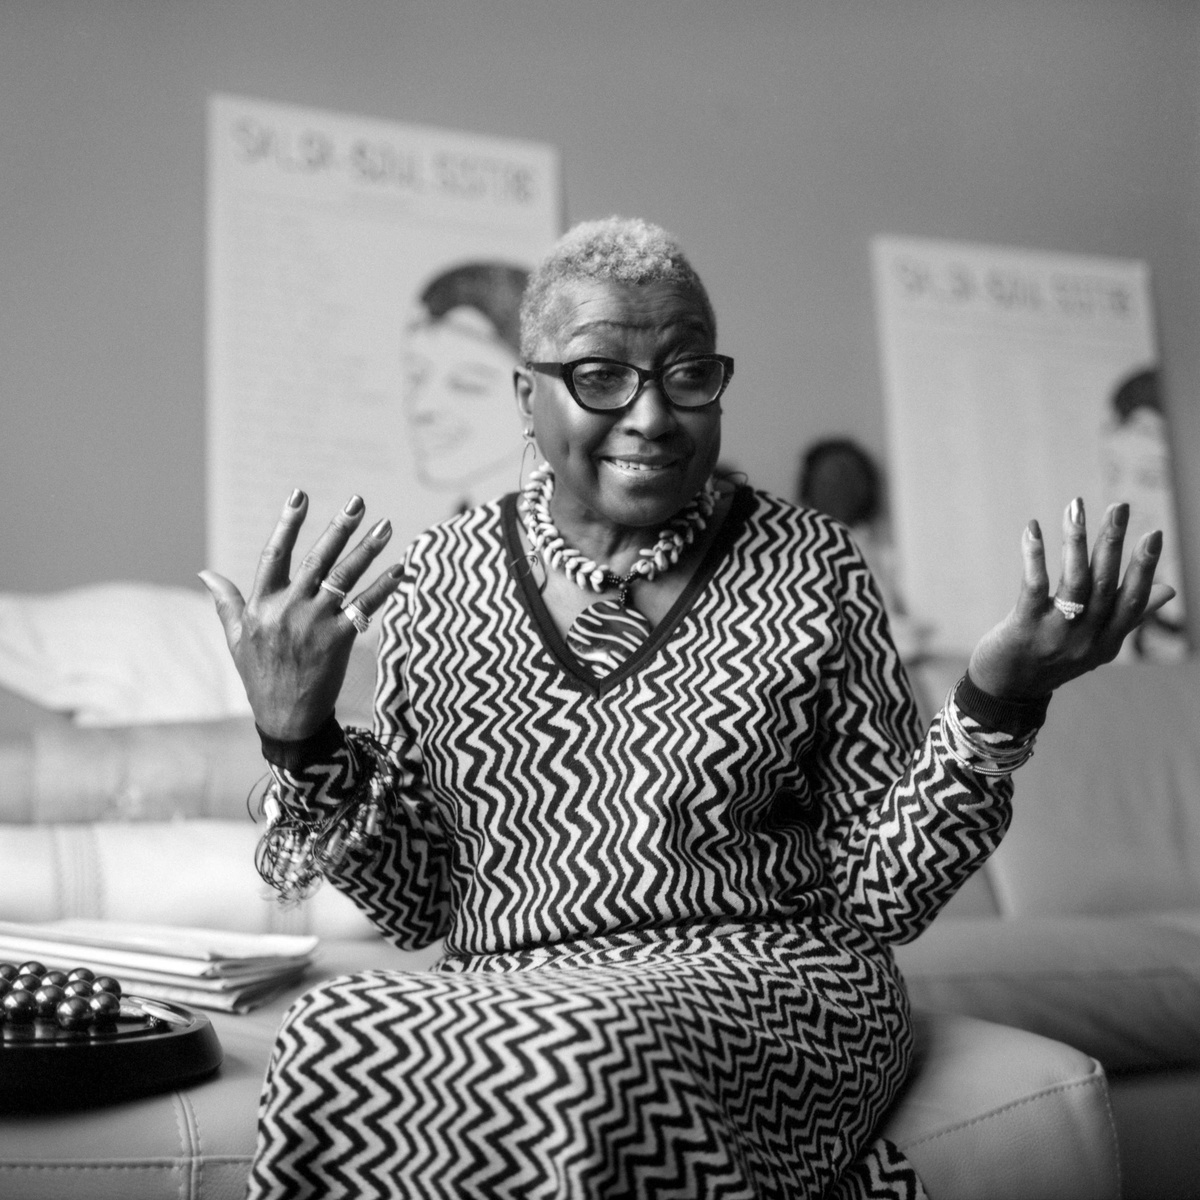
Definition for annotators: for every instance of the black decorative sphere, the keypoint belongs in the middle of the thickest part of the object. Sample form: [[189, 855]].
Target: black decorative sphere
[[106, 983], [74, 1013], [105, 1008], [19, 1006], [48, 998]]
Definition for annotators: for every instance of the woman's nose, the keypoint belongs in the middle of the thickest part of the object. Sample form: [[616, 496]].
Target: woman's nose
[[651, 413]]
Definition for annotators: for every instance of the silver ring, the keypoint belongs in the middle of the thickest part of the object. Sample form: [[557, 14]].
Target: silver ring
[[329, 587], [1069, 608], [356, 617]]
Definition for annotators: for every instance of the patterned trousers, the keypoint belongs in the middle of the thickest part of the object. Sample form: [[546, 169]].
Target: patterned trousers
[[740, 1062]]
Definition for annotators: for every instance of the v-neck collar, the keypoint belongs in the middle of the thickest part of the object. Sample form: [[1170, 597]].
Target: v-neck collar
[[742, 505]]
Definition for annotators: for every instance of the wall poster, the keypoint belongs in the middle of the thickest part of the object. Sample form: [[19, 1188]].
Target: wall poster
[[1015, 380], [363, 283]]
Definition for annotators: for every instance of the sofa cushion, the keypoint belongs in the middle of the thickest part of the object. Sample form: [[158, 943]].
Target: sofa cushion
[[165, 872], [1126, 991], [1106, 814], [137, 772]]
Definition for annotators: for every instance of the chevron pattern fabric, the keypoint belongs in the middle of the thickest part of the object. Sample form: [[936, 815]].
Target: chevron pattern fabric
[[739, 1063], [882, 1173], [666, 891]]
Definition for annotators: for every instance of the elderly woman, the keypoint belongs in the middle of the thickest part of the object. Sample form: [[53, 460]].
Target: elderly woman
[[645, 758]]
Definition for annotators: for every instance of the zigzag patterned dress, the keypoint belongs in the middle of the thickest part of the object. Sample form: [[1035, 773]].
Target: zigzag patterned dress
[[666, 894]]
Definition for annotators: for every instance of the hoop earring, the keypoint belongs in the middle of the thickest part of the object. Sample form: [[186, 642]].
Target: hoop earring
[[530, 444]]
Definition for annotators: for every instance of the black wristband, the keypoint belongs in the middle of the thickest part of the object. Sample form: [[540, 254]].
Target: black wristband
[[1020, 718], [319, 746]]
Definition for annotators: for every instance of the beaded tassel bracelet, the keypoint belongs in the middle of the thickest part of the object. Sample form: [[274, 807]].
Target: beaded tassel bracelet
[[299, 849]]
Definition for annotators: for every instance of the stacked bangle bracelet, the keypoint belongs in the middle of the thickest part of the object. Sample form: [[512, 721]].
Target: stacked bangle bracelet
[[984, 751]]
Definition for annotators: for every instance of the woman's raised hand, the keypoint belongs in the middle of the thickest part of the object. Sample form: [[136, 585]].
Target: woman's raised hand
[[1049, 638], [291, 638]]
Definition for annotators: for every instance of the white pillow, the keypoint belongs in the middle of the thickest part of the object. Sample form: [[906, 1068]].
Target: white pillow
[[1125, 990], [120, 653]]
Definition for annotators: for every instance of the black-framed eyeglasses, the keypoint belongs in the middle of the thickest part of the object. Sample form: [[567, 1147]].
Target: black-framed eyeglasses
[[607, 385]]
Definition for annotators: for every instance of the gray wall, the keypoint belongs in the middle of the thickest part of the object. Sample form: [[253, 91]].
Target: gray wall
[[774, 136]]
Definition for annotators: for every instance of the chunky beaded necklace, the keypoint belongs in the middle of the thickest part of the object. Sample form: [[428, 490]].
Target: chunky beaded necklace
[[607, 632], [680, 532]]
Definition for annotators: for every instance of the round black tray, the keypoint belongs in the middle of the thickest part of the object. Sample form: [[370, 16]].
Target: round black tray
[[45, 1067]]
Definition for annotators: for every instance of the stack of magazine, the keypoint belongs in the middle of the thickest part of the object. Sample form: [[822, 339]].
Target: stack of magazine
[[206, 968]]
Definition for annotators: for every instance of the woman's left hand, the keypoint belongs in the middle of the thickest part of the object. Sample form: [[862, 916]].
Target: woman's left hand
[[1038, 646]]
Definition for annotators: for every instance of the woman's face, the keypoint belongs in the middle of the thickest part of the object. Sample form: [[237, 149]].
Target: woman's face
[[458, 398], [637, 467]]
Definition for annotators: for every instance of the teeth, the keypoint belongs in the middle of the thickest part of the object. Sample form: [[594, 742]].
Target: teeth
[[626, 465]]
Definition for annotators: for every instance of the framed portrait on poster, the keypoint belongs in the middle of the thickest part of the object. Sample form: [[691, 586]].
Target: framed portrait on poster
[[363, 282], [1015, 380]]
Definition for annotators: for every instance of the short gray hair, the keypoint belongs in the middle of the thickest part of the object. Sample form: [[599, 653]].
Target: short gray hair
[[616, 250]]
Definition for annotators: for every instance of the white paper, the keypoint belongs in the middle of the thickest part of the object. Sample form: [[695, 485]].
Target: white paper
[[324, 370], [1001, 368]]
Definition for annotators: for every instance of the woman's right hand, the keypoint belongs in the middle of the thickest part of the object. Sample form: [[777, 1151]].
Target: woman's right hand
[[290, 639]]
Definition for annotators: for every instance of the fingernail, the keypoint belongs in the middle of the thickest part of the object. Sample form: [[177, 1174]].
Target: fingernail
[[353, 506], [1154, 542], [296, 499], [1121, 515], [1075, 512], [383, 529], [1035, 530], [397, 571]]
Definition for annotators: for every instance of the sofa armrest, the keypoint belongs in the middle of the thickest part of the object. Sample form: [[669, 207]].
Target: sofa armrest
[[995, 1113]]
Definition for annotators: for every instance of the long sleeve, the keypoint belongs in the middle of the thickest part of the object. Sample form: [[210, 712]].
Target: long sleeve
[[904, 822]]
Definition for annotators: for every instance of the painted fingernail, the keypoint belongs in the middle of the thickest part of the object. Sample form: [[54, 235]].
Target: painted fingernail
[[1035, 530], [1075, 511], [1121, 515], [353, 506], [397, 571], [383, 529], [1154, 542], [296, 499]]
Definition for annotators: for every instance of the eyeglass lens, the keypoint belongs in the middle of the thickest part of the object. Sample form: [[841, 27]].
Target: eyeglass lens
[[689, 384]]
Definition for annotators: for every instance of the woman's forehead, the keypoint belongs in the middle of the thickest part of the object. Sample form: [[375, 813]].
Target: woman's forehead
[[585, 308]]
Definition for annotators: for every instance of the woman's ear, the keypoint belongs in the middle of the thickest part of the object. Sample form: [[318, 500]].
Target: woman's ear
[[523, 387]]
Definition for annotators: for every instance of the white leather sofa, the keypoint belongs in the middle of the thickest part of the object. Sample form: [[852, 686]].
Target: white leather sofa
[[1058, 996], [991, 1113], [148, 823]]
